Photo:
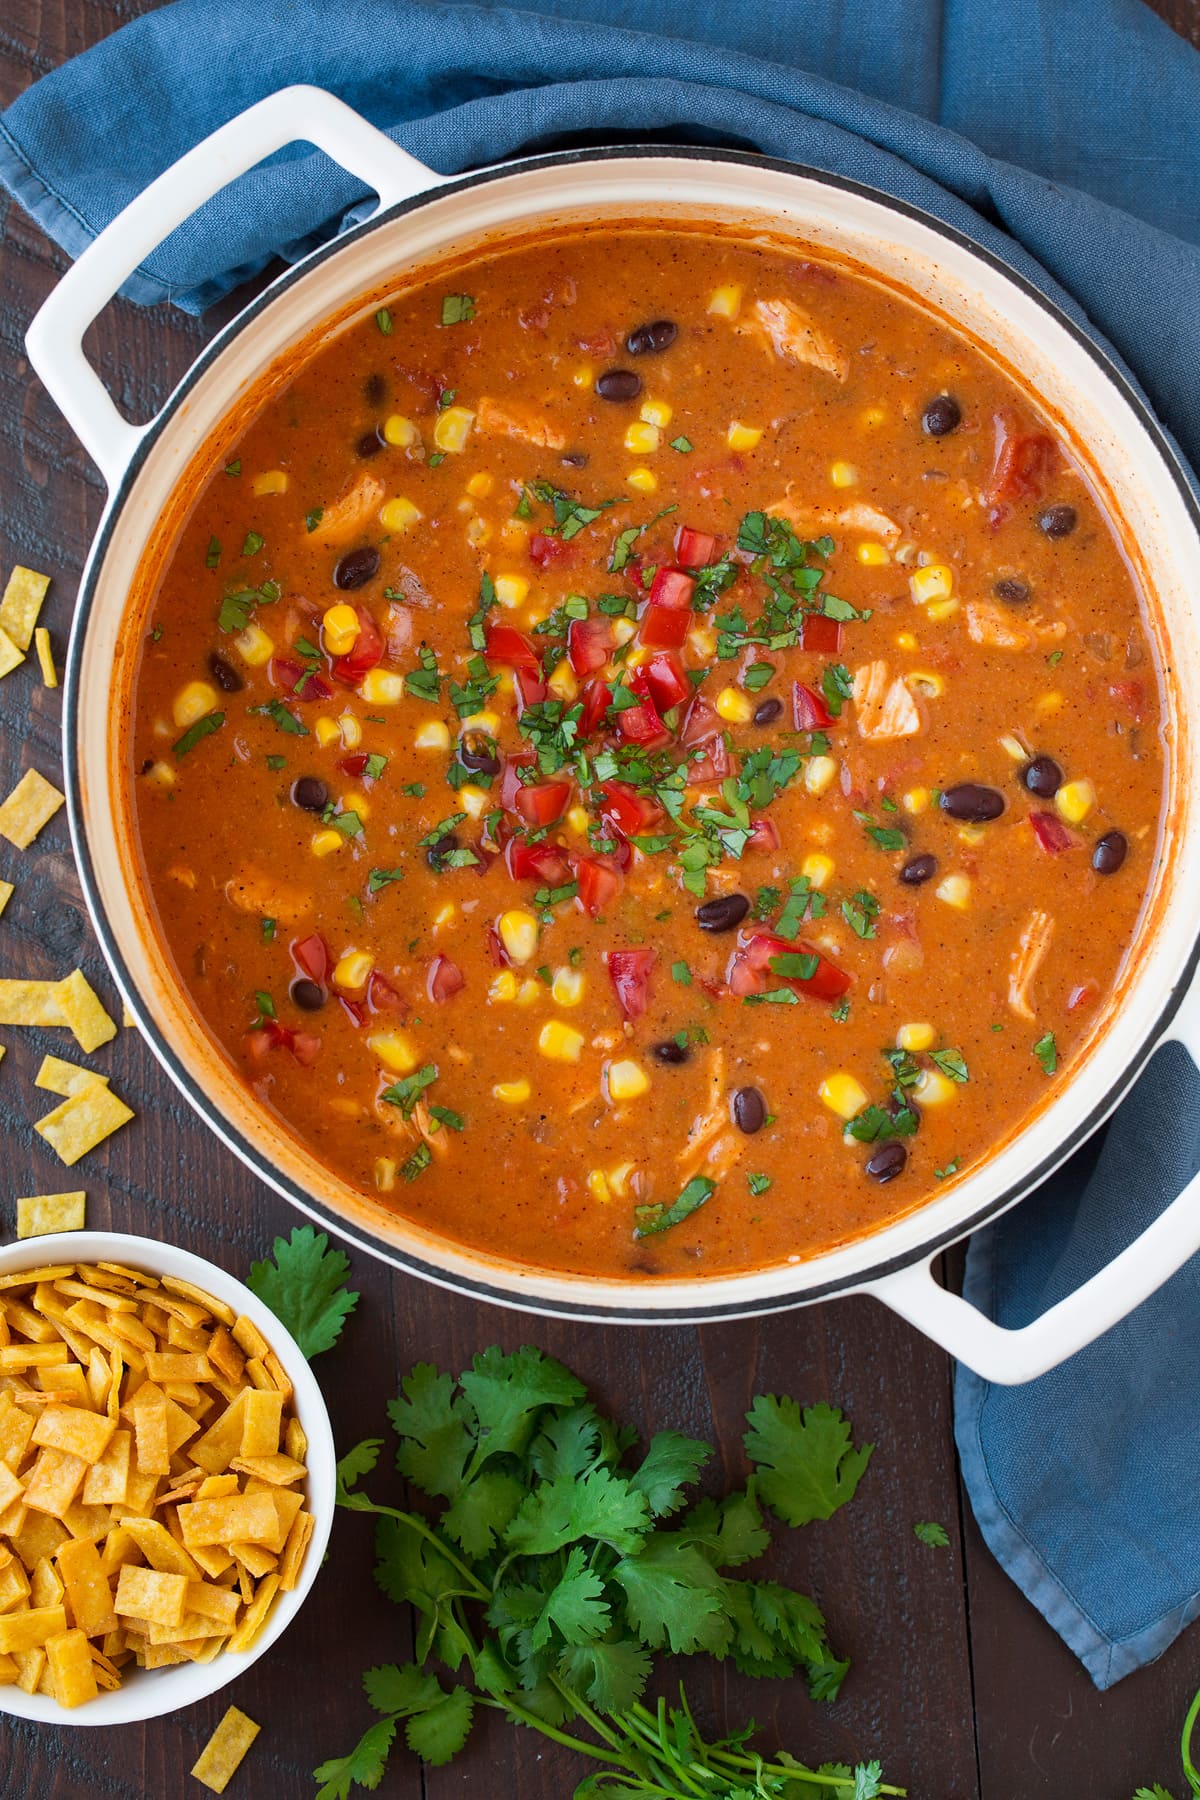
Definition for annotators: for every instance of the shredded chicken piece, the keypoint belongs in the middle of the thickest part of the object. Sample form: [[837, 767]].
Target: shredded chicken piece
[[430, 1129], [998, 629], [884, 708], [722, 1155], [814, 521], [252, 890], [348, 515], [508, 422], [1027, 959], [706, 1127], [793, 336]]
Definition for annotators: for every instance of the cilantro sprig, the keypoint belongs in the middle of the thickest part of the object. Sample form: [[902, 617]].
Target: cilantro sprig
[[304, 1286]]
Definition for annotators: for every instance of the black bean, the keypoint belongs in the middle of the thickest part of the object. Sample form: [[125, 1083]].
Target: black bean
[[749, 1110], [660, 334], [311, 793], [918, 869], [1110, 852], [888, 1161], [1042, 777], [437, 853], [619, 385], [357, 567], [723, 913], [308, 995], [972, 803], [670, 1050], [1058, 521], [224, 674], [479, 754], [1011, 591], [368, 445], [375, 388], [575, 459], [767, 711], [942, 415]]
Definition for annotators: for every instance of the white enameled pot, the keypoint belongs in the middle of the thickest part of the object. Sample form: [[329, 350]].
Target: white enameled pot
[[423, 217]]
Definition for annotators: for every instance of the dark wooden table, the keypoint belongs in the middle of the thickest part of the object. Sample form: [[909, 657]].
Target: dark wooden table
[[957, 1684]]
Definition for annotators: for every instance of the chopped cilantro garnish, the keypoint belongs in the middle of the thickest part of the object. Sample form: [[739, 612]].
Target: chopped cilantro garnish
[[348, 823], [951, 1168], [681, 973], [265, 1005], [1046, 1051], [930, 1533], [454, 1121], [376, 764], [313, 518], [772, 997], [651, 1219], [383, 320], [234, 467], [438, 457], [442, 829], [860, 913], [457, 309], [420, 1159], [196, 733], [841, 1011], [570, 515], [275, 763], [268, 930], [887, 837], [951, 1063], [408, 1090], [426, 681], [757, 676], [795, 965], [283, 717], [212, 555], [682, 444], [252, 544], [803, 902], [414, 789], [836, 685], [876, 1122], [381, 878], [765, 902], [758, 1184]]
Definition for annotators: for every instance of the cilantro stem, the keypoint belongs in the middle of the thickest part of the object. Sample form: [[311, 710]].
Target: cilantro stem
[[536, 1723], [359, 1503], [1185, 1745]]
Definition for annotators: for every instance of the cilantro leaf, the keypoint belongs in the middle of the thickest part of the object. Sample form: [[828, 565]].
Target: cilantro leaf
[[356, 1463], [671, 1463], [928, 1531], [1046, 1051], [597, 1505], [481, 1511], [674, 1596], [1153, 1793], [506, 1391], [730, 1531], [434, 1428], [401, 1690], [439, 1733], [951, 1063], [305, 1288], [807, 1467], [612, 1675], [575, 1606], [364, 1765]]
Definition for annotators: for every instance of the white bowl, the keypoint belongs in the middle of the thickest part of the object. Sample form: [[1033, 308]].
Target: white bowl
[[145, 1693]]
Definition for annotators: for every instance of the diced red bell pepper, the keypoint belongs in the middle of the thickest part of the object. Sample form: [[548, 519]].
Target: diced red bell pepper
[[765, 835], [599, 883], [629, 972], [354, 765], [664, 680], [311, 957], [671, 587], [589, 642], [445, 979], [820, 636], [643, 725], [537, 862], [809, 709], [597, 698], [695, 549], [1129, 695], [545, 550], [750, 970], [1023, 463], [516, 649], [367, 651], [631, 813], [664, 627], [530, 689], [543, 802], [1050, 832]]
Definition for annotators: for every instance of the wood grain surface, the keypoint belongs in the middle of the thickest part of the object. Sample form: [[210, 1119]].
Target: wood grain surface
[[958, 1684]]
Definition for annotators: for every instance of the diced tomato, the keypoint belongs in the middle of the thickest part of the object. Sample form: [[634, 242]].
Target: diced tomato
[[312, 686], [629, 972], [664, 680], [545, 550], [809, 709], [671, 587], [497, 954], [821, 636], [271, 1035], [597, 698], [543, 802], [695, 549], [381, 995], [445, 979], [355, 1010], [1086, 993], [283, 673], [311, 957], [589, 642], [750, 970], [642, 725], [305, 1046], [505, 644], [1129, 695], [599, 883], [711, 768], [510, 782], [537, 862], [765, 835], [530, 689], [1050, 832], [631, 813], [1024, 461], [703, 723], [355, 764], [664, 627], [367, 651]]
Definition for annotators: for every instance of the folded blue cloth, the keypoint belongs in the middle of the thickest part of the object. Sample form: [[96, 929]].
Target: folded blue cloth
[[1058, 133]]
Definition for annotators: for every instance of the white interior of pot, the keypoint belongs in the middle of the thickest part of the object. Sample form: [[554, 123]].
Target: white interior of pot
[[904, 250]]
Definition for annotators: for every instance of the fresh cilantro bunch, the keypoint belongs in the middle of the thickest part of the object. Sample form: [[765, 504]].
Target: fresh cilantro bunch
[[554, 1565], [1190, 1770]]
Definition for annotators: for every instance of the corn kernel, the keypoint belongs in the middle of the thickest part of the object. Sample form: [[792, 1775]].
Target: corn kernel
[[562, 683], [843, 1095], [972, 834], [518, 933], [382, 687], [584, 375], [512, 1093], [644, 481], [340, 629], [819, 773], [817, 869], [326, 732], [1049, 703], [914, 1037], [654, 412], [955, 890], [735, 707], [940, 610], [474, 800], [567, 987], [916, 800], [400, 432], [925, 683], [742, 437], [351, 730], [725, 302], [433, 735], [578, 820], [623, 630], [529, 992], [193, 701], [385, 1174], [932, 1088], [597, 1186], [619, 1178], [453, 428], [626, 1080], [481, 721], [642, 438], [702, 643], [478, 530], [906, 641], [934, 582], [445, 915], [874, 556], [324, 843], [254, 646], [559, 1042], [843, 475], [160, 774], [353, 971], [871, 417], [399, 514], [503, 987], [1074, 801], [481, 485], [511, 590], [273, 482], [516, 533], [395, 1050]]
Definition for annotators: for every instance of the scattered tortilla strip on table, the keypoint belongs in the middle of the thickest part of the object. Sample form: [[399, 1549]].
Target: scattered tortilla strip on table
[[21, 604], [58, 1076], [31, 805], [45, 656], [83, 1121], [81, 1009], [7, 890], [10, 657], [127, 1018], [30, 1003], [221, 1757], [38, 1215]]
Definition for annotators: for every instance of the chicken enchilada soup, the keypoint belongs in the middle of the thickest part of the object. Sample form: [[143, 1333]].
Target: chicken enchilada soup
[[647, 753]]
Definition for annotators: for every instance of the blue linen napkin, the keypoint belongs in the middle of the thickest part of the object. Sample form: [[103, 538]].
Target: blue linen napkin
[[1083, 172]]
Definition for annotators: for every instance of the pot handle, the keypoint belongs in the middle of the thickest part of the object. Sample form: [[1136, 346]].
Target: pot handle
[[55, 336], [1011, 1356]]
